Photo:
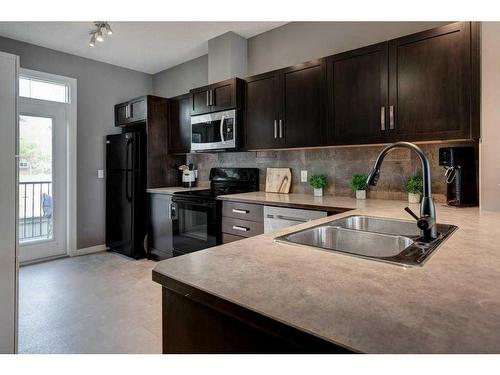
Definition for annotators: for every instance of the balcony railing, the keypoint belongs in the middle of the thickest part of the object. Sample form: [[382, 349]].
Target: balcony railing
[[35, 210]]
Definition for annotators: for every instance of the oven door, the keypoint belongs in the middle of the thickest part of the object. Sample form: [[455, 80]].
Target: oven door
[[214, 131], [194, 224]]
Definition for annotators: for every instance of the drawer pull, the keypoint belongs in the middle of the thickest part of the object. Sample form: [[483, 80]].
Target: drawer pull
[[243, 229], [238, 211]]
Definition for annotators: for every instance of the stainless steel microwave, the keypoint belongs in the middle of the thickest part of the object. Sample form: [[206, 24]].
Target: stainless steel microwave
[[214, 131]]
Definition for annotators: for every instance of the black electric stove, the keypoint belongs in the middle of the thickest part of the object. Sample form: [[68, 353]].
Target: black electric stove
[[196, 213]]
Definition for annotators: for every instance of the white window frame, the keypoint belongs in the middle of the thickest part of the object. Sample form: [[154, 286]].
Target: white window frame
[[71, 115]]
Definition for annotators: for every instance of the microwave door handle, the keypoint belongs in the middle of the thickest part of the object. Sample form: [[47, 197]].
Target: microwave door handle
[[222, 130]]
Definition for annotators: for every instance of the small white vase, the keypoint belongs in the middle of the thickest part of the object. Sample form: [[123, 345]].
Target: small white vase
[[360, 194], [318, 192], [413, 198]]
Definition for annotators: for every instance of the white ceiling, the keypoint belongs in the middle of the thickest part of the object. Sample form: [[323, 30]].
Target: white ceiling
[[144, 46]]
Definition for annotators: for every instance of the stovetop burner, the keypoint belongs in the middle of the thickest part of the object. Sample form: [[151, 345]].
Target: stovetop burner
[[227, 181]]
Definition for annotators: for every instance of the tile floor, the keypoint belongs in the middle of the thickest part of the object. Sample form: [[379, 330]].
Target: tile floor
[[98, 303]]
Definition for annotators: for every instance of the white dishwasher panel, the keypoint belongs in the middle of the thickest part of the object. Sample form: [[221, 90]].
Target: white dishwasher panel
[[280, 217]]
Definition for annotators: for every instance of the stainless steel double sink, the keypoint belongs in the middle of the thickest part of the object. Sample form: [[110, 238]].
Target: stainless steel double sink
[[387, 240]]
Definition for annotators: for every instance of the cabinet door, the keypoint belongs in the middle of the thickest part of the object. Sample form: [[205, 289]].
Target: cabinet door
[[223, 95], [160, 225], [180, 124], [358, 95], [430, 84], [138, 110], [200, 100], [261, 109], [121, 114], [303, 119], [131, 112]]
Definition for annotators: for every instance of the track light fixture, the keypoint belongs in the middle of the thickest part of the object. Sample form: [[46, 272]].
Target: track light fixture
[[97, 33]]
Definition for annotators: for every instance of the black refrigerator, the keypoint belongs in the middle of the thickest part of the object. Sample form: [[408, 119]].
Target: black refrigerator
[[126, 221]]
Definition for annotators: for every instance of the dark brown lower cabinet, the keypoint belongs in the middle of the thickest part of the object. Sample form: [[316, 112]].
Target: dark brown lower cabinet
[[197, 322]]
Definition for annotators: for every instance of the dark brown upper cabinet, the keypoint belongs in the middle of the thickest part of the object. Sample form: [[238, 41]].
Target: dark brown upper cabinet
[[150, 115], [131, 112], [180, 124], [287, 107], [419, 87], [217, 97], [262, 110], [304, 102], [430, 85], [358, 95]]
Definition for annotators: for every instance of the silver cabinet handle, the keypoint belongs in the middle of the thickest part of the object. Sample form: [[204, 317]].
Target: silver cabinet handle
[[281, 128], [275, 129], [243, 229], [382, 118], [208, 98], [127, 111], [391, 117], [237, 211], [212, 97]]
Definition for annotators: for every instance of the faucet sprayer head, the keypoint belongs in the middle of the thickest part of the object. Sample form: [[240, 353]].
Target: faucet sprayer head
[[373, 177]]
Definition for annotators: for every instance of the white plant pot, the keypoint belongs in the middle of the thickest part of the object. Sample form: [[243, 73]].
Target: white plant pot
[[318, 192], [413, 198], [360, 194]]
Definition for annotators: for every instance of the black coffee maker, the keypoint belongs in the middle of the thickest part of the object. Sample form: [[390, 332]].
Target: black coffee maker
[[461, 178]]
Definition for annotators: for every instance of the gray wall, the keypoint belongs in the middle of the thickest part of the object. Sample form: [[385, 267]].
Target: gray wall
[[181, 78], [227, 57], [100, 87]]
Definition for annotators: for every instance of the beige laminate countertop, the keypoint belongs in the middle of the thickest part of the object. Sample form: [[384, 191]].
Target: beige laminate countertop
[[450, 305]]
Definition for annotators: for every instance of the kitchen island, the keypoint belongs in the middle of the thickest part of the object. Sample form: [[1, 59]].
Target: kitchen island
[[256, 295]]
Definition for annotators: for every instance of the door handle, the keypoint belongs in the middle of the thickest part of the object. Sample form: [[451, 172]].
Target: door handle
[[382, 118], [391, 117], [281, 128], [242, 229], [275, 129], [127, 185], [237, 211], [222, 130]]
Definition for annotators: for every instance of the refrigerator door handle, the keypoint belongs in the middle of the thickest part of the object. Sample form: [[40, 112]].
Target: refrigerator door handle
[[128, 195]]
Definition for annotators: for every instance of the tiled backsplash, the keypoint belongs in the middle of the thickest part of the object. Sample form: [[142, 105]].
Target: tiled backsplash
[[338, 164]]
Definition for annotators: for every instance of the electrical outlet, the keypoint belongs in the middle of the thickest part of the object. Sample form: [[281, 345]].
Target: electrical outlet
[[303, 176], [100, 173]]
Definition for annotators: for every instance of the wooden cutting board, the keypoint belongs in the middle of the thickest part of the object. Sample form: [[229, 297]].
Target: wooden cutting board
[[278, 180]]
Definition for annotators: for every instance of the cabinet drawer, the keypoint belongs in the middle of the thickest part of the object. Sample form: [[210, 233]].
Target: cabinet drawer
[[241, 228], [245, 211], [227, 238]]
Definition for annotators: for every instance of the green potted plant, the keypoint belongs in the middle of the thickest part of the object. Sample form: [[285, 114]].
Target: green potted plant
[[414, 187], [358, 185], [318, 182]]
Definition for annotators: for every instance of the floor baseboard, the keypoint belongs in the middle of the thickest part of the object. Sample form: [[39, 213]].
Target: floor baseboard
[[90, 250]]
